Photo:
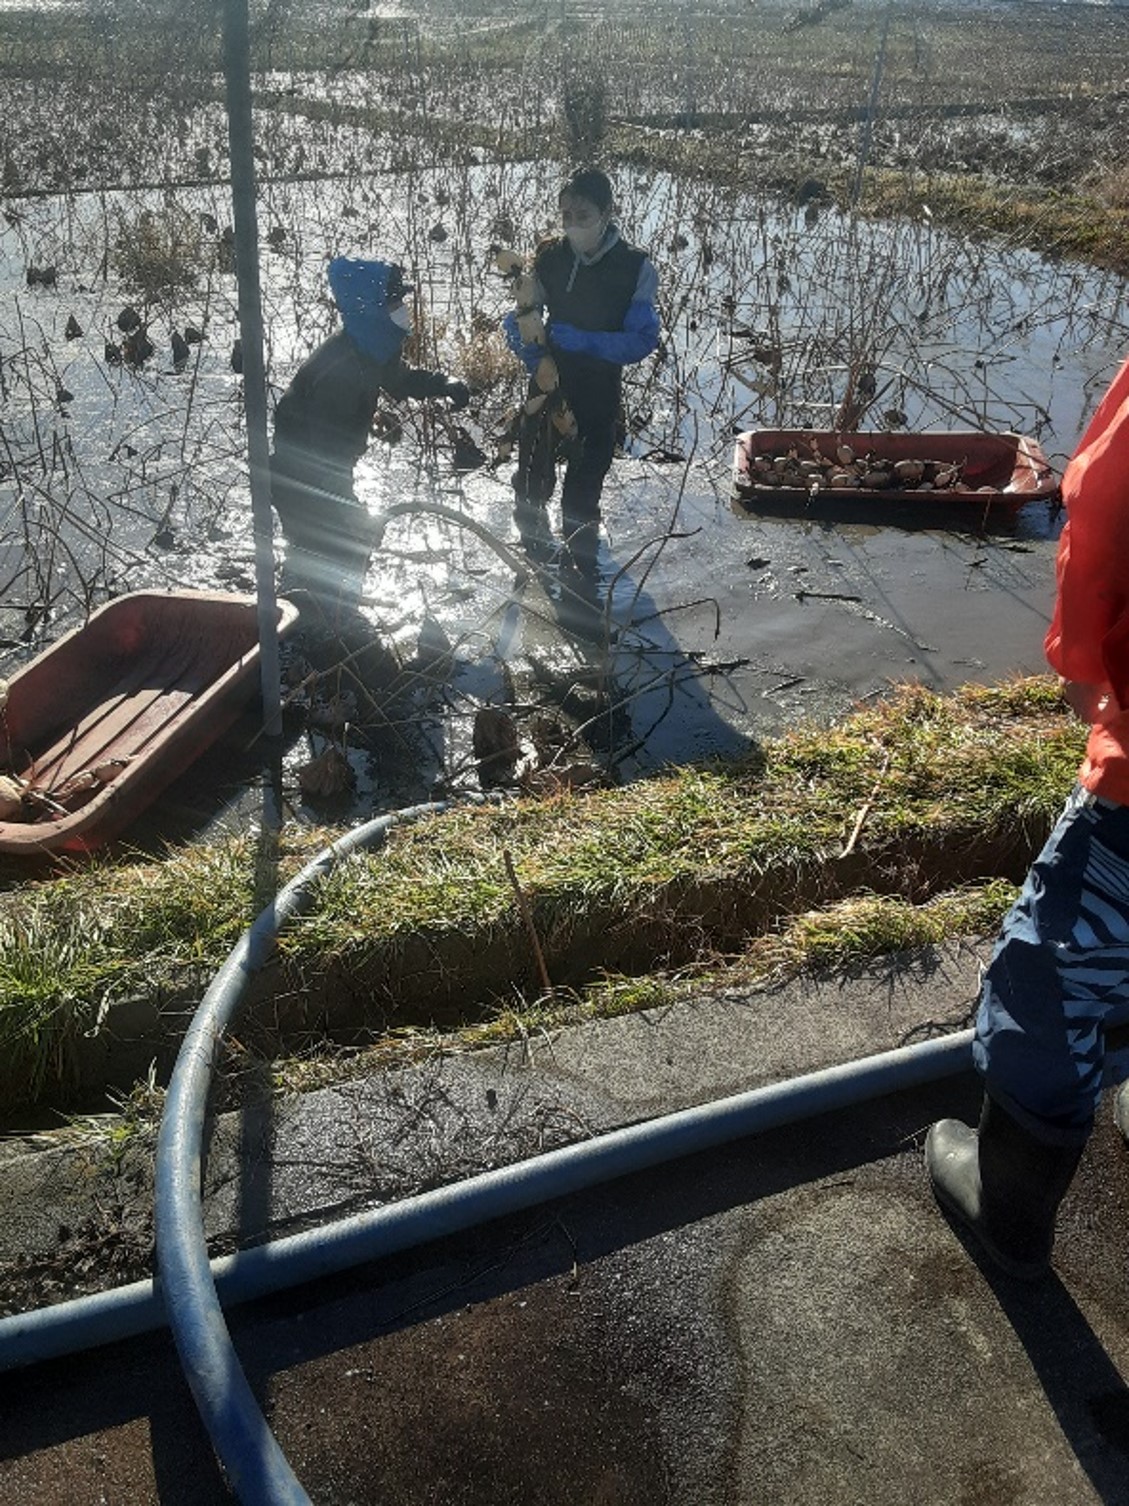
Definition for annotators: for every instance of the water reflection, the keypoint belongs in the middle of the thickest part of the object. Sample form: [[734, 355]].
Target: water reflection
[[113, 477]]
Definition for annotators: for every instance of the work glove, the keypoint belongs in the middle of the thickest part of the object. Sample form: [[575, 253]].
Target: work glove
[[567, 336], [528, 352], [457, 394]]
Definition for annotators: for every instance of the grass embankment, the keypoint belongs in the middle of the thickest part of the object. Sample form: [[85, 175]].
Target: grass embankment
[[910, 821]]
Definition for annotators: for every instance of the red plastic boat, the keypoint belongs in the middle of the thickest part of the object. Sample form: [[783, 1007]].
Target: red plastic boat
[[95, 727], [790, 469]]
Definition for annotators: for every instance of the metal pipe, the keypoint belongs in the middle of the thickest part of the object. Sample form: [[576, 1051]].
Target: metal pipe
[[237, 72]]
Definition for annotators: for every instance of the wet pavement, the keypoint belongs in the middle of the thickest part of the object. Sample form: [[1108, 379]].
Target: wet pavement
[[785, 1319]]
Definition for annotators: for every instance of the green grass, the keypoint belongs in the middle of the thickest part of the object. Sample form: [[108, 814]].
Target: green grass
[[741, 859], [1079, 224], [838, 939], [58, 971], [857, 930]]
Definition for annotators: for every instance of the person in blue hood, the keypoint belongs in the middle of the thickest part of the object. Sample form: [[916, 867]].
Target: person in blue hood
[[600, 295], [323, 420]]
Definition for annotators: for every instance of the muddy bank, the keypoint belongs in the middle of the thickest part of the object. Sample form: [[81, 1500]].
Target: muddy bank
[[357, 979]]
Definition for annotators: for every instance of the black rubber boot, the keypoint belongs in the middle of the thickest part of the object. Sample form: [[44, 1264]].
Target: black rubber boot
[[1003, 1184], [580, 610], [581, 544], [536, 535]]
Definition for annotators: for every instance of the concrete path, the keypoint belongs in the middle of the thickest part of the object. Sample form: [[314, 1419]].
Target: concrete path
[[785, 1320]]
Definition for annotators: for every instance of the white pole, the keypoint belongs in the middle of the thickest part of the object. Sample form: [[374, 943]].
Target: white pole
[[237, 71]]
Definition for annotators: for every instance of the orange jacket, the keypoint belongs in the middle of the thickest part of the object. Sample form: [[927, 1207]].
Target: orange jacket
[[1088, 639]]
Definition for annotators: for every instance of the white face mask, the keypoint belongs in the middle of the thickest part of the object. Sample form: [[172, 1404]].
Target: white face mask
[[401, 317], [585, 238]]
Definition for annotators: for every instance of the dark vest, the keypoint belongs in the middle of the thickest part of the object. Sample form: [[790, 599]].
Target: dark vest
[[326, 412], [600, 294]]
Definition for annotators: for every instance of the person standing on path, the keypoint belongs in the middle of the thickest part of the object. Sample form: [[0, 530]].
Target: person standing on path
[[600, 295], [1061, 960]]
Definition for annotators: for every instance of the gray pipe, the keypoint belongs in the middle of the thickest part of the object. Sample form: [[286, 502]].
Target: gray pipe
[[240, 135], [87, 1322]]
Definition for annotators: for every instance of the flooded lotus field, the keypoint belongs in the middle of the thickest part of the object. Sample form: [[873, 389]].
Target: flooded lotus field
[[122, 448]]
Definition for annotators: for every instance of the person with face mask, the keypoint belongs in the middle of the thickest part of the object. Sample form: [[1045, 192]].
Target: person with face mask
[[323, 420], [600, 297]]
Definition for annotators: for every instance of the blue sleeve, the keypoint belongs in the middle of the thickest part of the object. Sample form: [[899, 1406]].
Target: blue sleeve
[[530, 354], [639, 335]]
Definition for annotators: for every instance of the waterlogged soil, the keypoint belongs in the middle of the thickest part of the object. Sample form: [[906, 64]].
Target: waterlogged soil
[[716, 630], [711, 630]]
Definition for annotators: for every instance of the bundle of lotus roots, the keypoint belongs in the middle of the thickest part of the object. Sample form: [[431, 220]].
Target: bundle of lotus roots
[[25, 800], [844, 469], [548, 401]]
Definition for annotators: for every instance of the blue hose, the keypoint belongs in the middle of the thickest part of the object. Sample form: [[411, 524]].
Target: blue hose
[[246, 1447], [128, 1311]]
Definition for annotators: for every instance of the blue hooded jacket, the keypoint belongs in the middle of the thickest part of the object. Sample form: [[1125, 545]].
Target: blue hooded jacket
[[360, 291], [322, 420]]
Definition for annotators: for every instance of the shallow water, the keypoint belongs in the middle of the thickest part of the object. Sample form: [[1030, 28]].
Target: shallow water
[[727, 628]]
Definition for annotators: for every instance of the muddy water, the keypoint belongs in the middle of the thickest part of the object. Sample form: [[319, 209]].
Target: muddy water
[[726, 629], [723, 638], [813, 616]]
